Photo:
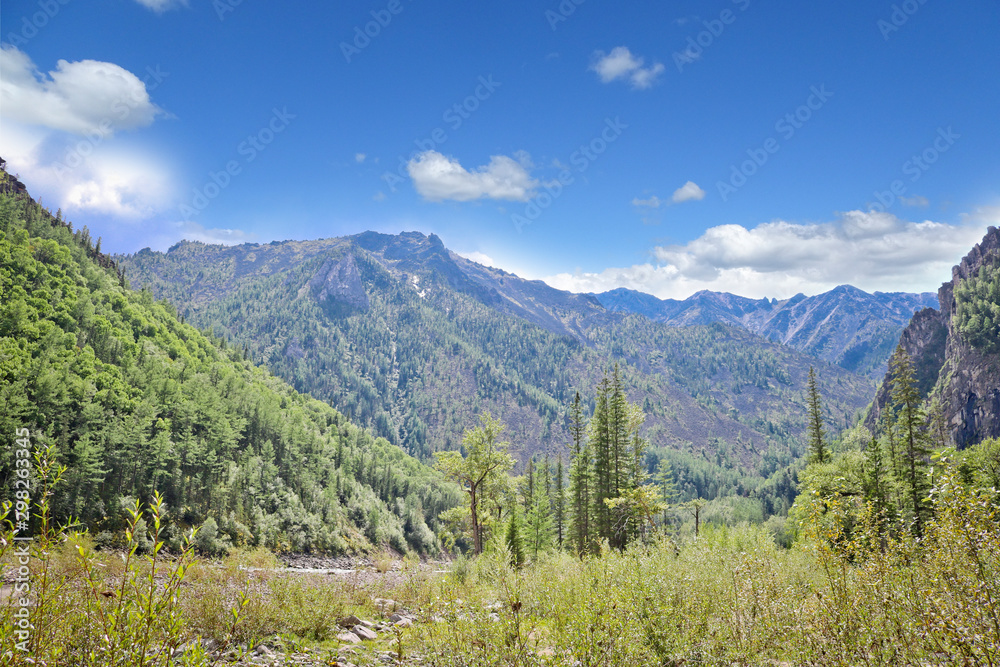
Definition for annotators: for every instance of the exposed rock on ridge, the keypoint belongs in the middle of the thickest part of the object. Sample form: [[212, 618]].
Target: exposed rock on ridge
[[964, 381]]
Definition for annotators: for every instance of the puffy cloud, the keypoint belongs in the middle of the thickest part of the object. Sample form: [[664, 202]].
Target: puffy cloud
[[108, 180], [621, 64], [437, 178], [160, 6], [359, 157], [87, 97], [688, 192], [872, 251]]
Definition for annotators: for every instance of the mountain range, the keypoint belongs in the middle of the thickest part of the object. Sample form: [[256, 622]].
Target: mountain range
[[413, 341], [845, 326]]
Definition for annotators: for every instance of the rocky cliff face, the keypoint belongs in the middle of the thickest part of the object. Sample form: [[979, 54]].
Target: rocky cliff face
[[340, 283], [964, 381]]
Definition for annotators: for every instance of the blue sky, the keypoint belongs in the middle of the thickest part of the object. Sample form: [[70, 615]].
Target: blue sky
[[759, 148]]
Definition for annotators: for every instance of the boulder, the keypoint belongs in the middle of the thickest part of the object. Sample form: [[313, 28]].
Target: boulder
[[348, 638]]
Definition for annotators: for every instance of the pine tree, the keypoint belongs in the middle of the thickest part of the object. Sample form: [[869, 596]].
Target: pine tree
[[618, 434], [580, 481], [515, 543], [539, 525], [558, 499], [876, 483], [915, 449], [599, 438], [817, 442]]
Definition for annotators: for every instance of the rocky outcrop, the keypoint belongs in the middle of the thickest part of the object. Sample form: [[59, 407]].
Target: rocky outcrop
[[962, 380], [339, 284]]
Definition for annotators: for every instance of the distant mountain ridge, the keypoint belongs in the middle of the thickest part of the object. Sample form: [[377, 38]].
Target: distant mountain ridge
[[414, 341], [845, 326]]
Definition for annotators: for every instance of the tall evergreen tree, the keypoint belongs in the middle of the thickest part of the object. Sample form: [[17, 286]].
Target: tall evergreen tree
[[915, 447], [817, 442], [513, 536], [558, 499], [599, 438], [877, 482], [580, 480], [539, 526]]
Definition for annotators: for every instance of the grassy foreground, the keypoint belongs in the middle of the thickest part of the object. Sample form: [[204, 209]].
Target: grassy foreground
[[729, 596]]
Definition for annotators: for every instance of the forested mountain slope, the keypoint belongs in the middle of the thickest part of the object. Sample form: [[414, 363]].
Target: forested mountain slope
[[845, 326], [410, 339], [134, 400], [956, 350]]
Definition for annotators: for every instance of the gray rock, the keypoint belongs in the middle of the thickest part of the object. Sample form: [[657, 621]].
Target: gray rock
[[364, 633], [349, 622], [348, 638]]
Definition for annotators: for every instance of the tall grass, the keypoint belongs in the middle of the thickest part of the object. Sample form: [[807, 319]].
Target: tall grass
[[727, 597]]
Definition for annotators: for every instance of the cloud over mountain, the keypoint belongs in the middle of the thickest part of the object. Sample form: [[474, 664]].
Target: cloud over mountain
[[872, 251]]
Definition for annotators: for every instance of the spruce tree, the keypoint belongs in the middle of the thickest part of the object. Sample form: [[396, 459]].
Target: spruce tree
[[539, 524], [914, 442], [513, 538], [558, 499], [876, 483], [817, 442], [599, 439], [580, 480]]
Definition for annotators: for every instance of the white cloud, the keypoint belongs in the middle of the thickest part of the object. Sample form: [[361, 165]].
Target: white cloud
[[192, 231], [108, 179], [437, 178], [620, 63], [87, 97], [160, 6], [652, 202], [872, 251], [688, 192], [378, 196], [359, 157], [478, 258], [915, 200]]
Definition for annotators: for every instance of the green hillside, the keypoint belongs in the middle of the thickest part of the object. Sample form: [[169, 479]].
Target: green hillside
[[135, 400]]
